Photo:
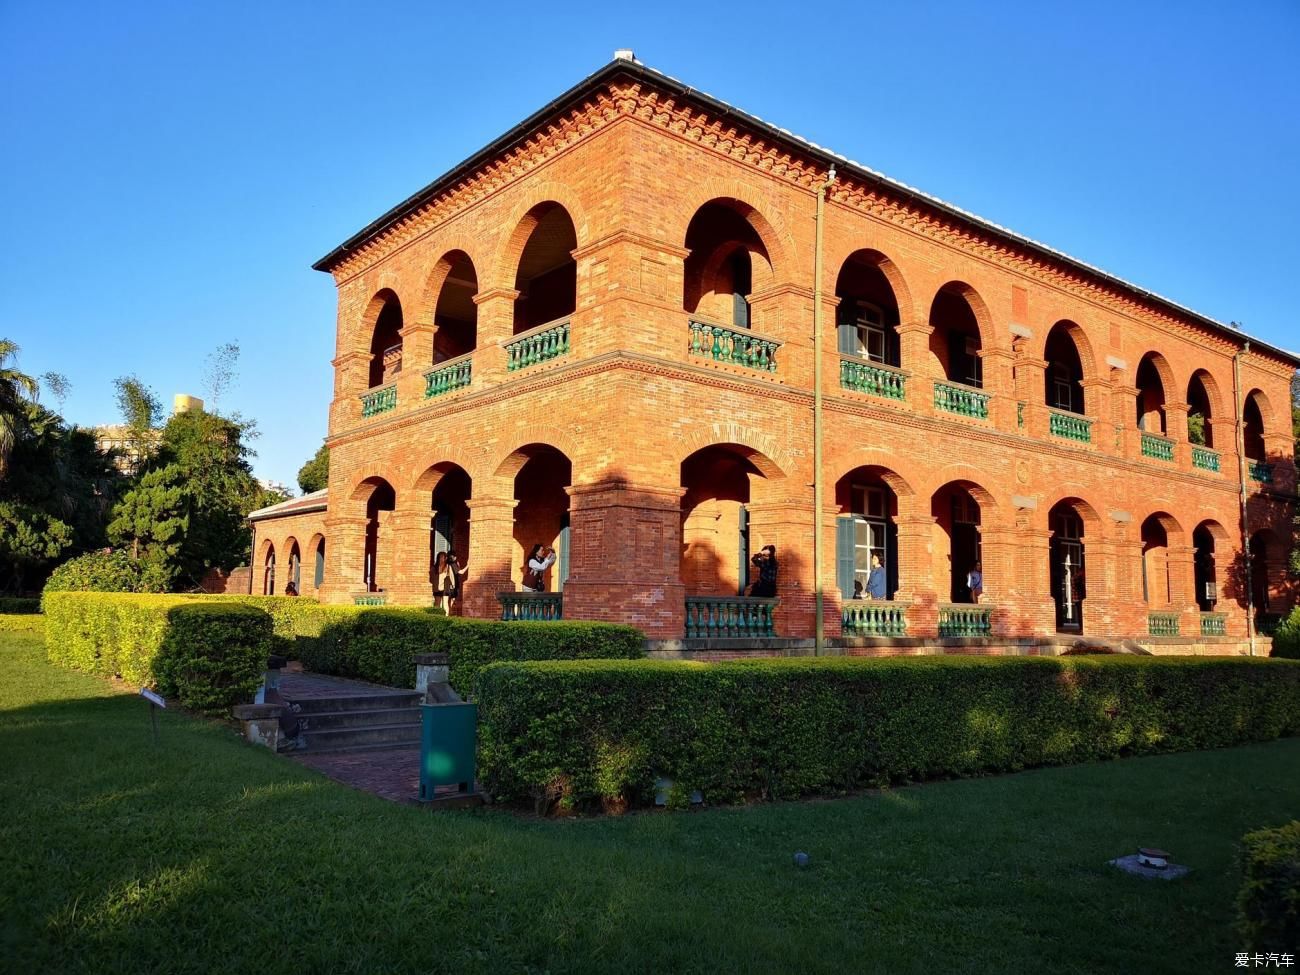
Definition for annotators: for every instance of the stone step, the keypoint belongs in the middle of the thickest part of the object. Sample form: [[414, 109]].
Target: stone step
[[382, 746], [310, 721], [358, 702], [337, 739]]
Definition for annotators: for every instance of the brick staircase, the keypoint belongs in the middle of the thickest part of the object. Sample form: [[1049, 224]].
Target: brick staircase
[[356, 723]]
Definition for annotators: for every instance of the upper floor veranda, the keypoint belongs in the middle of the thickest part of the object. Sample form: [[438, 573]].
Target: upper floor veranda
[[635, 222]]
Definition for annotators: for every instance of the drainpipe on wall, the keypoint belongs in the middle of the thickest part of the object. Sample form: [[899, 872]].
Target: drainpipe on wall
[[819, 644], [1241, 484]]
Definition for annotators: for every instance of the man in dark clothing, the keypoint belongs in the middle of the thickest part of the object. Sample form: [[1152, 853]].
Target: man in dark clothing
[[765, 563]]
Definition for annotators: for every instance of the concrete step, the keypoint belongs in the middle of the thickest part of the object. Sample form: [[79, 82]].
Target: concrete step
[[382, 746], [337, 739], [358, 702], [310, 721]]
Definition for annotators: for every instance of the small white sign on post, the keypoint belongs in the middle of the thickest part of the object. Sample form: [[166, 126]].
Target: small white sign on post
[[155, 702], [152, 698]]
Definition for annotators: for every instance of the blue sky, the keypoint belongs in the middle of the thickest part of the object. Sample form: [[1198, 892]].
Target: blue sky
[[171, 170]]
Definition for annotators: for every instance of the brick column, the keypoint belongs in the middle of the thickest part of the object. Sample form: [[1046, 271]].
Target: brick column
[[915, 359], [916, 583], [788, 524], [1031, 374], [417, 359], [998, 558], [491, 552], [351, 379], [1123, 414], [1097, 398], [625, 545], [998, 383], [1279, 450], [1176, 430], [1037, 606], [1104, 613], [496, 324], [345, 553], [1224, 443], [1182, 589], [408, 573]]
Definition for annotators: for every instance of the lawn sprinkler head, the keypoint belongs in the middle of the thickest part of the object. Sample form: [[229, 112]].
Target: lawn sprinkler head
[[802, 859]]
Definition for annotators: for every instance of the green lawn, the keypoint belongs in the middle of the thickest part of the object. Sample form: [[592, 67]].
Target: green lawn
[[204, 854]]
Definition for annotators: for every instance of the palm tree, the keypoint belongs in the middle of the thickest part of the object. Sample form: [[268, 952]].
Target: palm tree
[[17, 389]]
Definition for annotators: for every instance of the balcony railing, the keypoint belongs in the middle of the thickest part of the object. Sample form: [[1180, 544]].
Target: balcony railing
[[1162, 624], [531, 605], [729, 616], [736, 346], [1156, 447], [1214, 624], [873, 378], [962, 400], [448, 376], [870, 618], [1205, 459], [964, 620], [381, 399], [1069, 426], [1260, 470], [540, 344], [370, 599]]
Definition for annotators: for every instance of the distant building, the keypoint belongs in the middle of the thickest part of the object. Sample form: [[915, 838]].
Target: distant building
[[279, 487], [132, 449]]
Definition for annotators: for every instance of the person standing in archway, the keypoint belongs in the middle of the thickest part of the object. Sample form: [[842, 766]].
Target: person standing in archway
[[975, 582], [766, 564]]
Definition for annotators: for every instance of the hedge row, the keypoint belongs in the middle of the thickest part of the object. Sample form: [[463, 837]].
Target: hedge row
[[15, 605], [208, 655], [380, 644], [1286, 638], [21, 622], [577, 733], [1269, 903]]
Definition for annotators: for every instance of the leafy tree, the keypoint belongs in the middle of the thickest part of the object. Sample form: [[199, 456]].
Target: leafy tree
[[1196, 428], [315, 474], [58, 384], [219, 370], [138, 405], [17, 390]]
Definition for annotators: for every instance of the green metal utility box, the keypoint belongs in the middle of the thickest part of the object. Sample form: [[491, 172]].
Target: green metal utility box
[[448, 736]]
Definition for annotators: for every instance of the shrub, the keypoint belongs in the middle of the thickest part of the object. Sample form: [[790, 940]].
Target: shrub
[[21, 622], [105, 572], [1268, 906], [784, 728], [13, 605], [212, 657], [1286, 638], [380, 644], [290, 615], [129, 635]]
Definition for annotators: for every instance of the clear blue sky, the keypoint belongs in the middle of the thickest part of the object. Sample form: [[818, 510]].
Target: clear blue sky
[[171, 170]]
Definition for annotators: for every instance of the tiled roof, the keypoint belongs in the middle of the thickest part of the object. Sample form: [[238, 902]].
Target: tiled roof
[[294, 506]]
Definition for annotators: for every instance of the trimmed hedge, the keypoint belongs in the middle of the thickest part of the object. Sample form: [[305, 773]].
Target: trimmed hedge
[[290, 615], [210, 656], [581, 732], [380, 643], [15, 605], [1286, 638], [1268, 907], [21, 623]]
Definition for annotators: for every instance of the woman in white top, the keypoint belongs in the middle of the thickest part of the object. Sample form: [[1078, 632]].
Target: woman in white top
[[540, 559]]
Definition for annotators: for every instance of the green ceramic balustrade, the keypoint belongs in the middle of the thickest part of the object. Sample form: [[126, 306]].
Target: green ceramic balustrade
[[451, 375], [1156, 447], [1260, 470], [1214, 624], [870, 618], [1162, 624], [378, 400], [370, 599], [729, 616], [1070, 426], [1205, 459], [869, 377], [736, 346], [539, 345], [965, 620], [961, 400], [531, 605]]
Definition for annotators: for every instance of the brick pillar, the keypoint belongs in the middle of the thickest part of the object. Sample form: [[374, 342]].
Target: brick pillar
[[998, 558], [916, 582], [1031, 374], [1123, 415], [496, 324], [999, 384], [625, 545], [1037, 609], [1182, 589], [1279, 449], [1129, 610], [345, 552], [350, 380], [784, 313], [491, 552], [832, 598], [1176, 430], [917, 361], [788, 524], [1103, 613], [1097, 398], [417, 359], [409, 583], [1223, 441]]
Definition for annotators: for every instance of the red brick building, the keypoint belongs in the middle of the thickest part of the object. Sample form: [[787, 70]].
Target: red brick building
[[600, 333]]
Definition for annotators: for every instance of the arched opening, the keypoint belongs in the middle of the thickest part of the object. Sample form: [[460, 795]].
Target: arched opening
[[867, 316], [450, 525], [380, 500], [455, 315], [386, 340], [866, 543], [1067, 555], [1200, 410], [1064, 373], [715, 556], [547, 276], [727, 255], [268, 571], [1205, 539], [1252, 422], [1151, 396], [317, 548], [542, 512], [957, 516], [955, 339], [295, 567], [1156, 587]]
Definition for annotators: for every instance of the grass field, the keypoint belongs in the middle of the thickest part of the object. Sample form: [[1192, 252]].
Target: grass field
[[203, 854]]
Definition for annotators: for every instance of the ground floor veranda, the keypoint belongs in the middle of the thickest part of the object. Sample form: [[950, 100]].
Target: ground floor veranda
[[674, 559]]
